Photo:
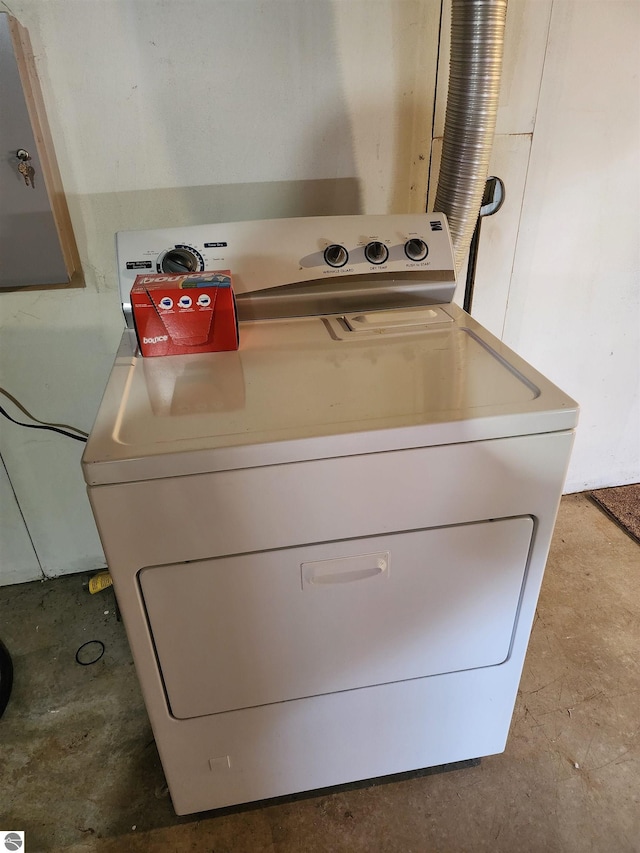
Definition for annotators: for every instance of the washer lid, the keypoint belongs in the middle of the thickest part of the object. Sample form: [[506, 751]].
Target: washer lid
[[313, 388]]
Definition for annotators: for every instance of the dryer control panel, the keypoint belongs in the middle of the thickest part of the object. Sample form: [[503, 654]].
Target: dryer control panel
[[328, 256]]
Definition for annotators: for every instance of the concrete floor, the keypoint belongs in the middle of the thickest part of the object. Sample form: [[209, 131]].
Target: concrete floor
[[79, 771]]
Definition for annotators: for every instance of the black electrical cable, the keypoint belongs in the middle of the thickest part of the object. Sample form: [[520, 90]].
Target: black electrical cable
[[42, 426], [63, 429], [492, 201], [26, 412]]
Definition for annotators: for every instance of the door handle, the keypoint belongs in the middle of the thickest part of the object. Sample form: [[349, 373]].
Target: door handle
[[343, 570]]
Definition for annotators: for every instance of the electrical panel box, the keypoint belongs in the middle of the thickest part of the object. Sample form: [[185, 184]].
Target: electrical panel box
[[37, 246]]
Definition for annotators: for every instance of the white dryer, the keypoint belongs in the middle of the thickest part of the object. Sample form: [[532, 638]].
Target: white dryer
[[327, 547]]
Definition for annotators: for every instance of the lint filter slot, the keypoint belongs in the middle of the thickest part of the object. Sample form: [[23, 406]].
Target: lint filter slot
[[395, 318]]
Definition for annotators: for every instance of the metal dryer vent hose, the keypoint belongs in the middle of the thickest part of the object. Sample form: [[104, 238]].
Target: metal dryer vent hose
[[477, 39]]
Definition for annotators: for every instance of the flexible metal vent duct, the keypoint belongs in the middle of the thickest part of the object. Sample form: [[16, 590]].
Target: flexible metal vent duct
[[477, 37]]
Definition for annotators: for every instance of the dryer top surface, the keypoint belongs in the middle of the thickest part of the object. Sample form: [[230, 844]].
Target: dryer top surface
[[318, 387]]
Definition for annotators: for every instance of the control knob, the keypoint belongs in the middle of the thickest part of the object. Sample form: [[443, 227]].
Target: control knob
[[335, 255], [416, 249], [180, 261], [376, 252]]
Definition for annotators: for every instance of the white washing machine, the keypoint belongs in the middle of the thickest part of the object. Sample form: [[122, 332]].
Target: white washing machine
[[327, 547]]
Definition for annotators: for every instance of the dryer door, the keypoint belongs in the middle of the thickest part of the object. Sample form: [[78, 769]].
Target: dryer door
[[253, 629]]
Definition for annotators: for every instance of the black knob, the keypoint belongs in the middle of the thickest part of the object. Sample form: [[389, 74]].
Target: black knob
[[416, 250], [178, 262], [376, 252], [335, 255]]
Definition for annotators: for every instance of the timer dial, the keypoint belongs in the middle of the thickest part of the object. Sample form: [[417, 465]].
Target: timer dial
[[180, 260]]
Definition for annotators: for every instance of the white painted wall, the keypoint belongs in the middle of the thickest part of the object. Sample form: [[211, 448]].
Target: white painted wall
[[194, 111], [558, 275], [257, 109], [574, 301]]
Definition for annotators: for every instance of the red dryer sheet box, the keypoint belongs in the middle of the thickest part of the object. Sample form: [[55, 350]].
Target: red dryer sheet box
[[181, 314]]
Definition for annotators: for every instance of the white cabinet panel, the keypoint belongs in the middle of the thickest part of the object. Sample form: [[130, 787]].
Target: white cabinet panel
[[48, 482], [18, 560]]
